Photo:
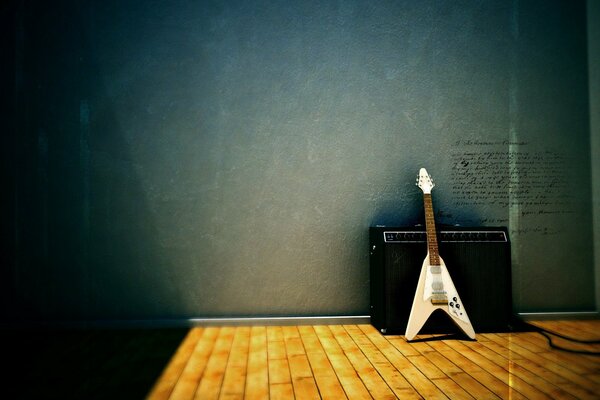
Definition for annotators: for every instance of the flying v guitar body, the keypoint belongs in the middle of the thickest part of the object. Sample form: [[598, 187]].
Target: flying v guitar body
[[435, 289]]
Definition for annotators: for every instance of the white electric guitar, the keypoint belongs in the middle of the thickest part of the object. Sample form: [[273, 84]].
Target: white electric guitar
[[435, 289]]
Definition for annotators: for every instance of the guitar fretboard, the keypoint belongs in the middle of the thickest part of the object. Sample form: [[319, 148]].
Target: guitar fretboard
[[432, 244]]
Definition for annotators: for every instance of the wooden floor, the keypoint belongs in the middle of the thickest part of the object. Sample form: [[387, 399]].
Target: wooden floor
[[357, 362]]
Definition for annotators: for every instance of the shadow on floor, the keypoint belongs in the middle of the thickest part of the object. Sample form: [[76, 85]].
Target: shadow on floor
[[86, 364]]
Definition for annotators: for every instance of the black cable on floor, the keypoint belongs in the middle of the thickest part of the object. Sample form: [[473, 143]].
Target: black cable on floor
[[571, 339], [546, 333], [554, 346]]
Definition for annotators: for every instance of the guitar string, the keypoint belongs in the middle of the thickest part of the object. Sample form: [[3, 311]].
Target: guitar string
[[434, 260]]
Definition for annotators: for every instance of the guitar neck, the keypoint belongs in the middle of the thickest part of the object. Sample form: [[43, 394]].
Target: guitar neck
[[432, 244]]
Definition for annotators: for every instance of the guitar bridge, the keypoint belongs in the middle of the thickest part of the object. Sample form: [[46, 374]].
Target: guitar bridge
[[439, 300]]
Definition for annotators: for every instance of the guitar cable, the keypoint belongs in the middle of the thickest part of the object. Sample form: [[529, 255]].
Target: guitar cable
[[548, 335]]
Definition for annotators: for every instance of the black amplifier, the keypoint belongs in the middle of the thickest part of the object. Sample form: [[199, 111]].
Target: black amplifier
[[478, 260]]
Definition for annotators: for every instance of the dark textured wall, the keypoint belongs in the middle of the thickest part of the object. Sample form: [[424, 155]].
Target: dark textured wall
[[7, 156], [201, 158], [593, 20]]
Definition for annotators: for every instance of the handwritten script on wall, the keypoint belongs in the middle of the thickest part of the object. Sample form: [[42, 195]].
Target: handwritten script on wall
[[529, 181]]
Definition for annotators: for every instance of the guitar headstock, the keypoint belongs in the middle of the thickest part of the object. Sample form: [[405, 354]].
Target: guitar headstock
[[424, 181]]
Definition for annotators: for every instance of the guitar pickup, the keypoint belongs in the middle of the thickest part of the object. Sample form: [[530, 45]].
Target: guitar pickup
[[439, 302]]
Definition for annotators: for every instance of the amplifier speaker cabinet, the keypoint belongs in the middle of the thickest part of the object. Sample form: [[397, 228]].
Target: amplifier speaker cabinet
[[478, 260]]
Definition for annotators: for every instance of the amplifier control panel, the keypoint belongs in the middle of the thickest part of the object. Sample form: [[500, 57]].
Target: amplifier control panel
[[445, 236]]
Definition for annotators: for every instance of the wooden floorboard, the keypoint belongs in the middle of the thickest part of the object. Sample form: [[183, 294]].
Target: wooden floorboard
[[357, 362]]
